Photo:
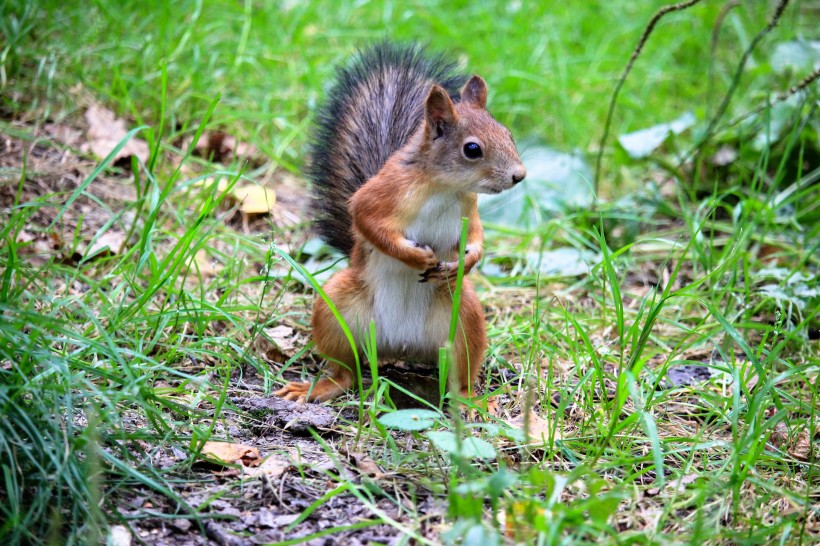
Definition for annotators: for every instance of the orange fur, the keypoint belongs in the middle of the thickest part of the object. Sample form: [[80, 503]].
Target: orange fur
[[422, 191]]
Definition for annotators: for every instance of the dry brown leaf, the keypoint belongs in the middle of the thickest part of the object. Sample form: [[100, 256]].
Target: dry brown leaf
[[205, 265], [365, 464], [780, 435], [254, 199], [105, 131], [539, 428], [801, 448], [107, 244], [272, 466], [230, 453], [283, 337], [24, 237], [37, 248]]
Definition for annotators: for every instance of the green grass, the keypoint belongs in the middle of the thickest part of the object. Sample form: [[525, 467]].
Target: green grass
[[108, 365]]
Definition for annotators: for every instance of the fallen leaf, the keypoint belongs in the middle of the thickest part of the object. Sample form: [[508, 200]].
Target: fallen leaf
[[254, 199], [205, 265], [230, 453], [539, 429], [795, 55], [555, 181], [24, 237], [37, 248], [365, 464], [516, 518], [106, 131], [107, 244], [278, 344], [751, 378], [118, 535], [780, 435], [801, 448], [639, 144], [272, 467], [283, 337]]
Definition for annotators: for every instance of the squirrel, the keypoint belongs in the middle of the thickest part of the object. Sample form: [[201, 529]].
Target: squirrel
[[401, 148]]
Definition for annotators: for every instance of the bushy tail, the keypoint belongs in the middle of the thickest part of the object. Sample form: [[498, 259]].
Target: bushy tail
[[372, 109]]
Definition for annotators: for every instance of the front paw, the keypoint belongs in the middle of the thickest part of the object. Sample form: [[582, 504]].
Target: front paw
[[425, 257], [471, 257], [441, 272]]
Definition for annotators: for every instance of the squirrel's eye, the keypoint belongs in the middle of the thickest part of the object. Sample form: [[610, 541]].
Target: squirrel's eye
[[472, 150]]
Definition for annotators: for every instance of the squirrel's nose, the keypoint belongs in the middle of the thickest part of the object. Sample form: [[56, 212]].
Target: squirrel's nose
[[519, 174]]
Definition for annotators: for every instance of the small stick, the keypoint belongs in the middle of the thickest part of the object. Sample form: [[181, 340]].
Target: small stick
[[635, 53]]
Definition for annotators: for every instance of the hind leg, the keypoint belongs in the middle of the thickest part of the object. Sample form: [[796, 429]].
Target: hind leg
[[331, 342]]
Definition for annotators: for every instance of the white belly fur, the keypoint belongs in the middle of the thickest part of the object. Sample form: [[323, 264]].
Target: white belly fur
[[406, 325]]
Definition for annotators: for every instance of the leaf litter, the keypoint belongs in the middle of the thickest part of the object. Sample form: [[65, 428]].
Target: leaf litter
[[106, 131]]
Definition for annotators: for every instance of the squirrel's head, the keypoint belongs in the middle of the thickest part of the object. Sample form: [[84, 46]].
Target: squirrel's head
[[470, 149]]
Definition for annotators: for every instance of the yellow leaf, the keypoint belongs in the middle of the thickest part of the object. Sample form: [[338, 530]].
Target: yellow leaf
[[539, 429], [228, 453], [254, 199]]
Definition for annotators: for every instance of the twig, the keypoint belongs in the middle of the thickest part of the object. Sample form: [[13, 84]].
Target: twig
[[793, 90], [635, 53], [724, 105]]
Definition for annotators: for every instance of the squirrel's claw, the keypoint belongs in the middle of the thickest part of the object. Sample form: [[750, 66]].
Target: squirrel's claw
[[432, 273], [443, 271], [294, 391]]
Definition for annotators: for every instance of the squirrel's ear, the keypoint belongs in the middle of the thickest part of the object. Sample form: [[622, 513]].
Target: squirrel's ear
[[439, 110], [475, 92]]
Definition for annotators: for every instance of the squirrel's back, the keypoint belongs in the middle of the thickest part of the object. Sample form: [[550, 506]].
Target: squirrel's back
[[372, 109]]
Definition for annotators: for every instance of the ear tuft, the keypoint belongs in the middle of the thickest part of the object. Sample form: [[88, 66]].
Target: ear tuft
[[439, 110], [475, 92]]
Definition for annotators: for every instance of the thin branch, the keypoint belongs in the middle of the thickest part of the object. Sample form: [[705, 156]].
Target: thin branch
[[793, 90], [635, 53], [724, 105]]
